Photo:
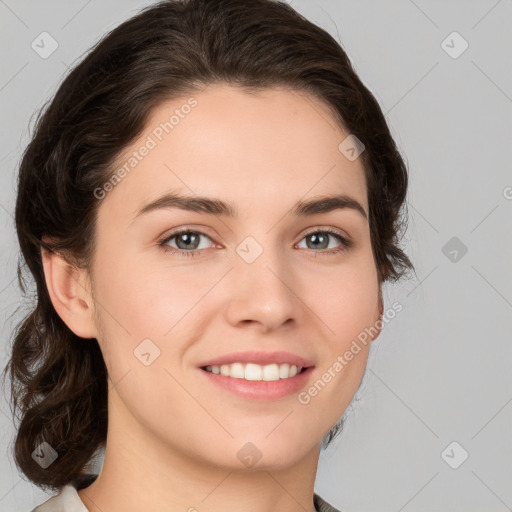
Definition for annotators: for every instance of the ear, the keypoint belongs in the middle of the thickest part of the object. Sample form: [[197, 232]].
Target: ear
[[69, 290]]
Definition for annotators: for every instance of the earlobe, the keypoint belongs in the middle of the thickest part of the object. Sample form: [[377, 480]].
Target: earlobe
[[69, 290]]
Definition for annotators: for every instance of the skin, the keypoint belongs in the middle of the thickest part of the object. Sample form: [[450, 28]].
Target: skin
[[173, 437]]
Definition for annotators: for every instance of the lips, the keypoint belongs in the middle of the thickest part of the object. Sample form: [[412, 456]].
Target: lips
[[260, 390], [258, 357]]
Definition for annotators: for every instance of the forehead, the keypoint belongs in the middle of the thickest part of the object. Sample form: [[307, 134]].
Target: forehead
[[276, 146]]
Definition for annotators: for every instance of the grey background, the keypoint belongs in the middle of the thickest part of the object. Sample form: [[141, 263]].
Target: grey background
[[440, 371]]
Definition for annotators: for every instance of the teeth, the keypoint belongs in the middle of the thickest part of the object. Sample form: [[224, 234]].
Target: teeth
[[252, 371]]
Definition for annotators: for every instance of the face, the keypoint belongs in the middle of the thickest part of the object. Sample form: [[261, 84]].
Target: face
[[262, 277]]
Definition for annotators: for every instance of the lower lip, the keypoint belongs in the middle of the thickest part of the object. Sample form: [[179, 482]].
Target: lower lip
[[261, 389]]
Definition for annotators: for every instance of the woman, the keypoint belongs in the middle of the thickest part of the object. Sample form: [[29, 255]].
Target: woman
[[209, 208]]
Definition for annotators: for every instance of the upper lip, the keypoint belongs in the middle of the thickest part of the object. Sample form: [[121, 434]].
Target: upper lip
[[258, 357]]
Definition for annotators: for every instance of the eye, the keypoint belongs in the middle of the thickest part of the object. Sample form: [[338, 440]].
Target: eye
[[321, 238], [187, 241]]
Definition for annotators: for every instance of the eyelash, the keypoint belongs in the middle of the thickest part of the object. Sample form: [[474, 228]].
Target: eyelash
[[345, 244]]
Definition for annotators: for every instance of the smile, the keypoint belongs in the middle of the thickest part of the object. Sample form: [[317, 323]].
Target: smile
[[252, 371], [252, 386]]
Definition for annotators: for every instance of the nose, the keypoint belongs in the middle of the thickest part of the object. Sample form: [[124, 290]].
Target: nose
[[263, 293]]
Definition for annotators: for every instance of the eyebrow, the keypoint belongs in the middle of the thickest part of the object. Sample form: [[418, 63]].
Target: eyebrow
[[214, 206]]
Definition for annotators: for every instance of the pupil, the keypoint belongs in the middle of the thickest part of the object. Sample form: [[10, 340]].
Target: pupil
[[188, 239], [318, 238]]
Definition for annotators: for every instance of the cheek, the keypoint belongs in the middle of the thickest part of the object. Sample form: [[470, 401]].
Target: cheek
[[346, 299], [347, 309], [148, 299], [141, 297], [137, 302]]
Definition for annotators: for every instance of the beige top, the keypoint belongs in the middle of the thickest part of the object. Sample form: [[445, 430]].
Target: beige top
[[68, 499]]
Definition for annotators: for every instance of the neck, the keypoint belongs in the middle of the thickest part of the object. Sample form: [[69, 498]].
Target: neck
[[142, 472]]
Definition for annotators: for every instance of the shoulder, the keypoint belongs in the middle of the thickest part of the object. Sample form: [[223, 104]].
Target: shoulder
[[322, 506], [67, 500]]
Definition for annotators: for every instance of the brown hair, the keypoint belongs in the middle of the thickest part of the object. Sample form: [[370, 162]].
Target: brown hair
[[58, 381]]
